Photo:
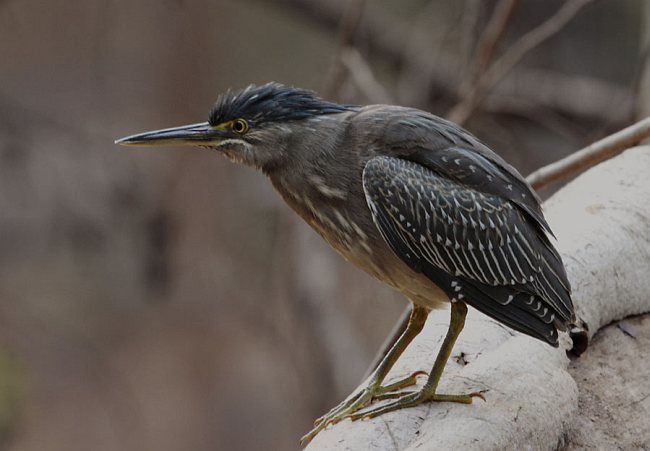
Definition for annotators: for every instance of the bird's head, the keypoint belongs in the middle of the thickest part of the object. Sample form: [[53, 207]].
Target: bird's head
[[255, 126]]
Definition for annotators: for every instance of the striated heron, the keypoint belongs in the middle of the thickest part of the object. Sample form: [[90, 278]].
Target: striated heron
[[414, 200]]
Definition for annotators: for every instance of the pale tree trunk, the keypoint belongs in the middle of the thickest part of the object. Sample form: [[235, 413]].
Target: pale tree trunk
[[535, 397]]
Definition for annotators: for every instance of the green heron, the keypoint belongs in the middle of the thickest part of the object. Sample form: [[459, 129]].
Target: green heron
[[414, 200]]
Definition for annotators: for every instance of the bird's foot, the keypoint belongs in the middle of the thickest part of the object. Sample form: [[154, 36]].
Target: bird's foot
[[411, 399], [358, 401]]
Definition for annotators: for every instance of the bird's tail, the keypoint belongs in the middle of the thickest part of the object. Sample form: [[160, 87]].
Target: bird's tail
[[579, 333]]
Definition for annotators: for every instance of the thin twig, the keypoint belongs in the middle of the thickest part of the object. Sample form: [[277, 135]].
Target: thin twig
[[468, 23], [494, 31], [414, 81], [488, 42], [643, 68], [557, 92], [349, 24], [548, 119], [363, 78], [591, 155], [461, 112]]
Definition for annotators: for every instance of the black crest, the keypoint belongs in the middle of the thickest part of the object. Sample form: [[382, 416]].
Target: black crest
[[271, 102]]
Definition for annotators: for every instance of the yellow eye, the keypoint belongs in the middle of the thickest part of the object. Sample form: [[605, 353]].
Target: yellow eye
[[239, 126]]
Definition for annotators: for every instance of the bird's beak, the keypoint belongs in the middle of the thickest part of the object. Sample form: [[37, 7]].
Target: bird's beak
[[202, 134]]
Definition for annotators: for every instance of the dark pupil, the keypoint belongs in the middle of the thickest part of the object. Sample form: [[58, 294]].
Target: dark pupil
[[239, 126]]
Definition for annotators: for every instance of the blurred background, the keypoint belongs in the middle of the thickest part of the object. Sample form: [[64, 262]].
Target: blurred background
[[167, 299]]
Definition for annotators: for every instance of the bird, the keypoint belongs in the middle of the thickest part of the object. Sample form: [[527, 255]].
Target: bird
[[414, 200]]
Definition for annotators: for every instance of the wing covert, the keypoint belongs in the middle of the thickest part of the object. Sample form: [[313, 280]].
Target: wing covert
[[477, 171], [477, 247]]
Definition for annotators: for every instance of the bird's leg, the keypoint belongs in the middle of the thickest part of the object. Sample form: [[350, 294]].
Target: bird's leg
[[357, 400], [428, 392], [373, 388]]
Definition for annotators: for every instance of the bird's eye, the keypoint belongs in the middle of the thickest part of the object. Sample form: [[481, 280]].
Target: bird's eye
[[240, 126]]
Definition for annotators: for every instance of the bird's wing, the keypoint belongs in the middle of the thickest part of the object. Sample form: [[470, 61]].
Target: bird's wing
[[485, 172], [456, 154], [479, 248]]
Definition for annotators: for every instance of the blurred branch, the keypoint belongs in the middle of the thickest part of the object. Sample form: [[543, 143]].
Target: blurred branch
[[642, 68], [384, 38], [363, 78], [591, 155], [349, 24], [461, 112], [491, 36], [414, 83], [469, 22], [558, 92], [570, 131], [349, 61], [494, 32]]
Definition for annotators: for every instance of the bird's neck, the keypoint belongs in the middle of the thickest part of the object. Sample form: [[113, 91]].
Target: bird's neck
[[333, 207]]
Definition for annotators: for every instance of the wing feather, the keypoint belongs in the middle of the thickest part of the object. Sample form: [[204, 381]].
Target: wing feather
[[477, 246]]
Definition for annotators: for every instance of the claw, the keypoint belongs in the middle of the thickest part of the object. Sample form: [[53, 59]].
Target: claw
[[478, 394], [412, 399], [352, 408], [346, 403], [358, 401]]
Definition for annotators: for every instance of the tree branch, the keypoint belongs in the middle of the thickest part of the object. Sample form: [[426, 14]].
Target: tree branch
[[468, 25], [350, 21], [363, 78], [461, 112], [591, 155], [491, 36]]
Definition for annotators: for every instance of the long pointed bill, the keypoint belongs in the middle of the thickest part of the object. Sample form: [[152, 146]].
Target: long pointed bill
[[188, 135]]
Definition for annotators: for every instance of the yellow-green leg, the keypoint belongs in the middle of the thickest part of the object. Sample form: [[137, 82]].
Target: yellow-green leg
[[428, 392], [374, 388]]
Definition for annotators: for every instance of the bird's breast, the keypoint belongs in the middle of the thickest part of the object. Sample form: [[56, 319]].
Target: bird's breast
[[349, 229]]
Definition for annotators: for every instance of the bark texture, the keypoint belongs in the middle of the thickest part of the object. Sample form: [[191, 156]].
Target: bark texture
[[602, 221]]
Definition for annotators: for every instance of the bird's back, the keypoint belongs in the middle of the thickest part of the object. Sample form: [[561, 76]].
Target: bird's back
[[427, 167], [360, 206]]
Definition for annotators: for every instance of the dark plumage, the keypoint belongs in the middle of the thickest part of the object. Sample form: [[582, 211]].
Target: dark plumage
[[271, 102], [479, 248]]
